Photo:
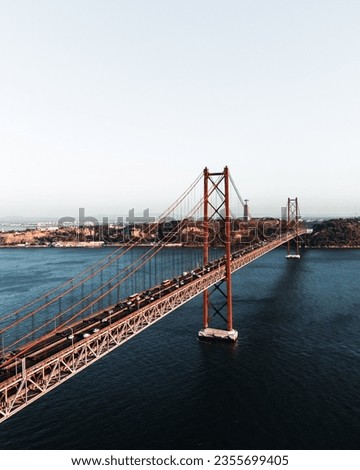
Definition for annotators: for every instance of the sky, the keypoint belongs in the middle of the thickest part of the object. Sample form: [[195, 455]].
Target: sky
[[118, 104]]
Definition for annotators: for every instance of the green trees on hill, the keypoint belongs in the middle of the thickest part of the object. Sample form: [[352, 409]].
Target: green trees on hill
[[336, 233]]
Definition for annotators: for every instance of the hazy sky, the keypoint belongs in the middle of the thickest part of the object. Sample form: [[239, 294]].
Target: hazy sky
[[115, 104]]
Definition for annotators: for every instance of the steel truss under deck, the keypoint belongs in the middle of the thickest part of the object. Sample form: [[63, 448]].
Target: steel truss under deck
[[33, 382]]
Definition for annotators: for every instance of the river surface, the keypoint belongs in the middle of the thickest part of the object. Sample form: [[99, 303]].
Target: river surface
[[290, 382]]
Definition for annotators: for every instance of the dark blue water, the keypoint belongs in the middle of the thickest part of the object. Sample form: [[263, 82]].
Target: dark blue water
[[291, 381]]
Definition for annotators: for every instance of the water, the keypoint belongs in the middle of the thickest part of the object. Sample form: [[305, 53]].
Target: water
[[290, 382], [113, 278]]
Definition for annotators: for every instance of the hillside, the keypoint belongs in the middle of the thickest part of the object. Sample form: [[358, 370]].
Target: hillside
[[46, 237], [343, 233]]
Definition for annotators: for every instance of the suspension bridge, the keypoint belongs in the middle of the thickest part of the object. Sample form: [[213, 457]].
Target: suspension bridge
[[57, 335]]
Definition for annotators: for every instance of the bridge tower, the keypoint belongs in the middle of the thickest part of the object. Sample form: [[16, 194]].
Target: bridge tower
[[218, 209], [293, 217], [246, 210]]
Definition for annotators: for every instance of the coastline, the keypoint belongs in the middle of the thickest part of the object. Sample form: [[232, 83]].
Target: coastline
[[176, 245], [337, 247]]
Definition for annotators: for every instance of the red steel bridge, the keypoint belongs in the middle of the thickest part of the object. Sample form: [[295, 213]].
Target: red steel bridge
[[60, 333]]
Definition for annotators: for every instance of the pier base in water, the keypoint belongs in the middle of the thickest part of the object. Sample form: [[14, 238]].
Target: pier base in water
[[214, 334]]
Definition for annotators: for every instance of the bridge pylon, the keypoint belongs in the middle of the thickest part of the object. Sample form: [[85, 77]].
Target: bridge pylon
[[293, 217], [217, 208]]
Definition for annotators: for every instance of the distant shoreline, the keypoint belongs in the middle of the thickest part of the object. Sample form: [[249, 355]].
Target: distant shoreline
[[114, 245], [331, 247], [339, 247]]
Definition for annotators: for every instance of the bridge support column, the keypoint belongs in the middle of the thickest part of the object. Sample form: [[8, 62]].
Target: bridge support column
[[293, 217], [206, 246], [217, 184]]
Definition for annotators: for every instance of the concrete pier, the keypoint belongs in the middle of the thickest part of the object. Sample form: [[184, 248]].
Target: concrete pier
[[214, 334]]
